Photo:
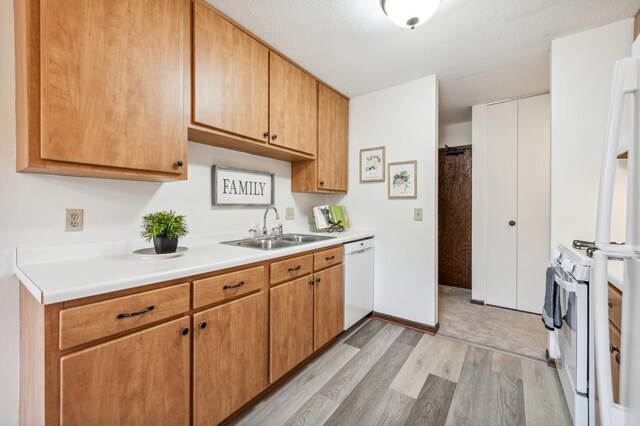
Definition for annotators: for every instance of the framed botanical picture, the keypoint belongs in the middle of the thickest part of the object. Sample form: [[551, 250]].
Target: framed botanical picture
[[372, 164], [403, 180]]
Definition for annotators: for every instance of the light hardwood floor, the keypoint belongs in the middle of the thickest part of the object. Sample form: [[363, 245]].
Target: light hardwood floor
[[383, 374]]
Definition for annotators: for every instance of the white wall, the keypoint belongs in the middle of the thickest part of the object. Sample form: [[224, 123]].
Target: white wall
[[581, 76], [32, 209], [455, 134], [478, 225], [403, 118]]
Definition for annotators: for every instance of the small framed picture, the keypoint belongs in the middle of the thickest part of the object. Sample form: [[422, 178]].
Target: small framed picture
[[372, 165], [402, 179]]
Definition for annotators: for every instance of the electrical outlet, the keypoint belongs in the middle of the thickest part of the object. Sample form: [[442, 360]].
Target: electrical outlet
[[417, 214], [290, 213], [73, 220]]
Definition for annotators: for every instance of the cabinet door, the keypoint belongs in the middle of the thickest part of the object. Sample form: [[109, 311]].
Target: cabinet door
[[231, 76], [614, 336], [293, 106], [333, 135], [112, 76], [328, 306], [138, 379], [229, 358], [534, 163], [291, 322], [502, 203]]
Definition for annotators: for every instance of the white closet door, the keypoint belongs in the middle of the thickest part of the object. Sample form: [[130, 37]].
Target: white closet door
[[501, 203], [533, 200]]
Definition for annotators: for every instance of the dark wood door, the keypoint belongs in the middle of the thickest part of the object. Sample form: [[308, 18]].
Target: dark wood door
[[454, 218]]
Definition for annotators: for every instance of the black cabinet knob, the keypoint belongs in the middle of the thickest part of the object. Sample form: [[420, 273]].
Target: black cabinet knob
[[311, 282], [184, 331], [202, 324], [274, 137], [317, 280], [512, 223], [321, 182], [265, 134], [179, 163]]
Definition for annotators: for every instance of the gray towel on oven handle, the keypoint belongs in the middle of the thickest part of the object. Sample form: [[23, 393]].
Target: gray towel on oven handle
[[551, 312]]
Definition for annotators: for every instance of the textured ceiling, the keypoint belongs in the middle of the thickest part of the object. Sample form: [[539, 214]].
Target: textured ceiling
[[481, 50]]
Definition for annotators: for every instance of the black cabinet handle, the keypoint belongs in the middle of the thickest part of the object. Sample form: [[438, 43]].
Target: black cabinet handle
[[318, 280], [610, 304], [321, 182], [265, 134], [179, 163], [202, 324], [297, 268], [274, 137], [227, 287], [311, 282], [329, 258], [512, 223], [613, 349], [184, 331], [133, 314], [618, 359]]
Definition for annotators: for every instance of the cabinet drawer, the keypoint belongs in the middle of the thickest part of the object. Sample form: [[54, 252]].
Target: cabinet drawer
[[615, 307], [97, 320], [327, 258], [614, 349], [222, 287], [291, 268]]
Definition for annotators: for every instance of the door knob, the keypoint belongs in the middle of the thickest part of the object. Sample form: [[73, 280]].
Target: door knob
[[179, 163], [265, 134], [274, 137], [184, 331], [512, 223], [202, 324]]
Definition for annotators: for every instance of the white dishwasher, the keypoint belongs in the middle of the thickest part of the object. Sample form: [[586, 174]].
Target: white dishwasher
[[358, 281]]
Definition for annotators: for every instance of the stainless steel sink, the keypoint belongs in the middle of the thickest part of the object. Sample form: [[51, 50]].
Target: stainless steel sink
[[273, 243], [303, 238]]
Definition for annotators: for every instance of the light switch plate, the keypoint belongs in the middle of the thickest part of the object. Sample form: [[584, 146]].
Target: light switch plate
[[417, 214], [74, 219], [289, 213]]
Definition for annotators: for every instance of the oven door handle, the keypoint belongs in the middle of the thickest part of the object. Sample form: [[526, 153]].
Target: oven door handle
[[571, 287]]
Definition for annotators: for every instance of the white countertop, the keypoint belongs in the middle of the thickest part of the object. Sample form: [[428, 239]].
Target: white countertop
[[61, 273]]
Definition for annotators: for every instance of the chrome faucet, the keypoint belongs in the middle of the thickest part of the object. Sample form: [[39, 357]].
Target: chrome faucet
[[265, 231]]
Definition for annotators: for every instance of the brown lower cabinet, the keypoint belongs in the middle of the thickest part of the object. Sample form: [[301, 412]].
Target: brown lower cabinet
[[142, 376], [291, 340], [306, 314], [615, 324], [188, 351], [328, 303], [229, 358]]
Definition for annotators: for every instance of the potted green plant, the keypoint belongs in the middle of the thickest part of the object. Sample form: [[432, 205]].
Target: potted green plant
[[165, 228]]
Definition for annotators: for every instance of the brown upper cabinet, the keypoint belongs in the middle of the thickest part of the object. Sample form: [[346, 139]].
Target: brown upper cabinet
[[247, 97], [101, 88], [231, 77], [293, 114], [328, 172]]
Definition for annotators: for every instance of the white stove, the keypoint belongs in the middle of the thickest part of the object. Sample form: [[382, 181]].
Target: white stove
[[571, 345]]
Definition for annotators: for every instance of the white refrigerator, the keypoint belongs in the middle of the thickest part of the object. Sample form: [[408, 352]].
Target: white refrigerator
[[624, 118]]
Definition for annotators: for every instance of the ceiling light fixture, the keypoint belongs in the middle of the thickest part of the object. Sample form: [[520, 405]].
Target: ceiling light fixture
[[409, 13]]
